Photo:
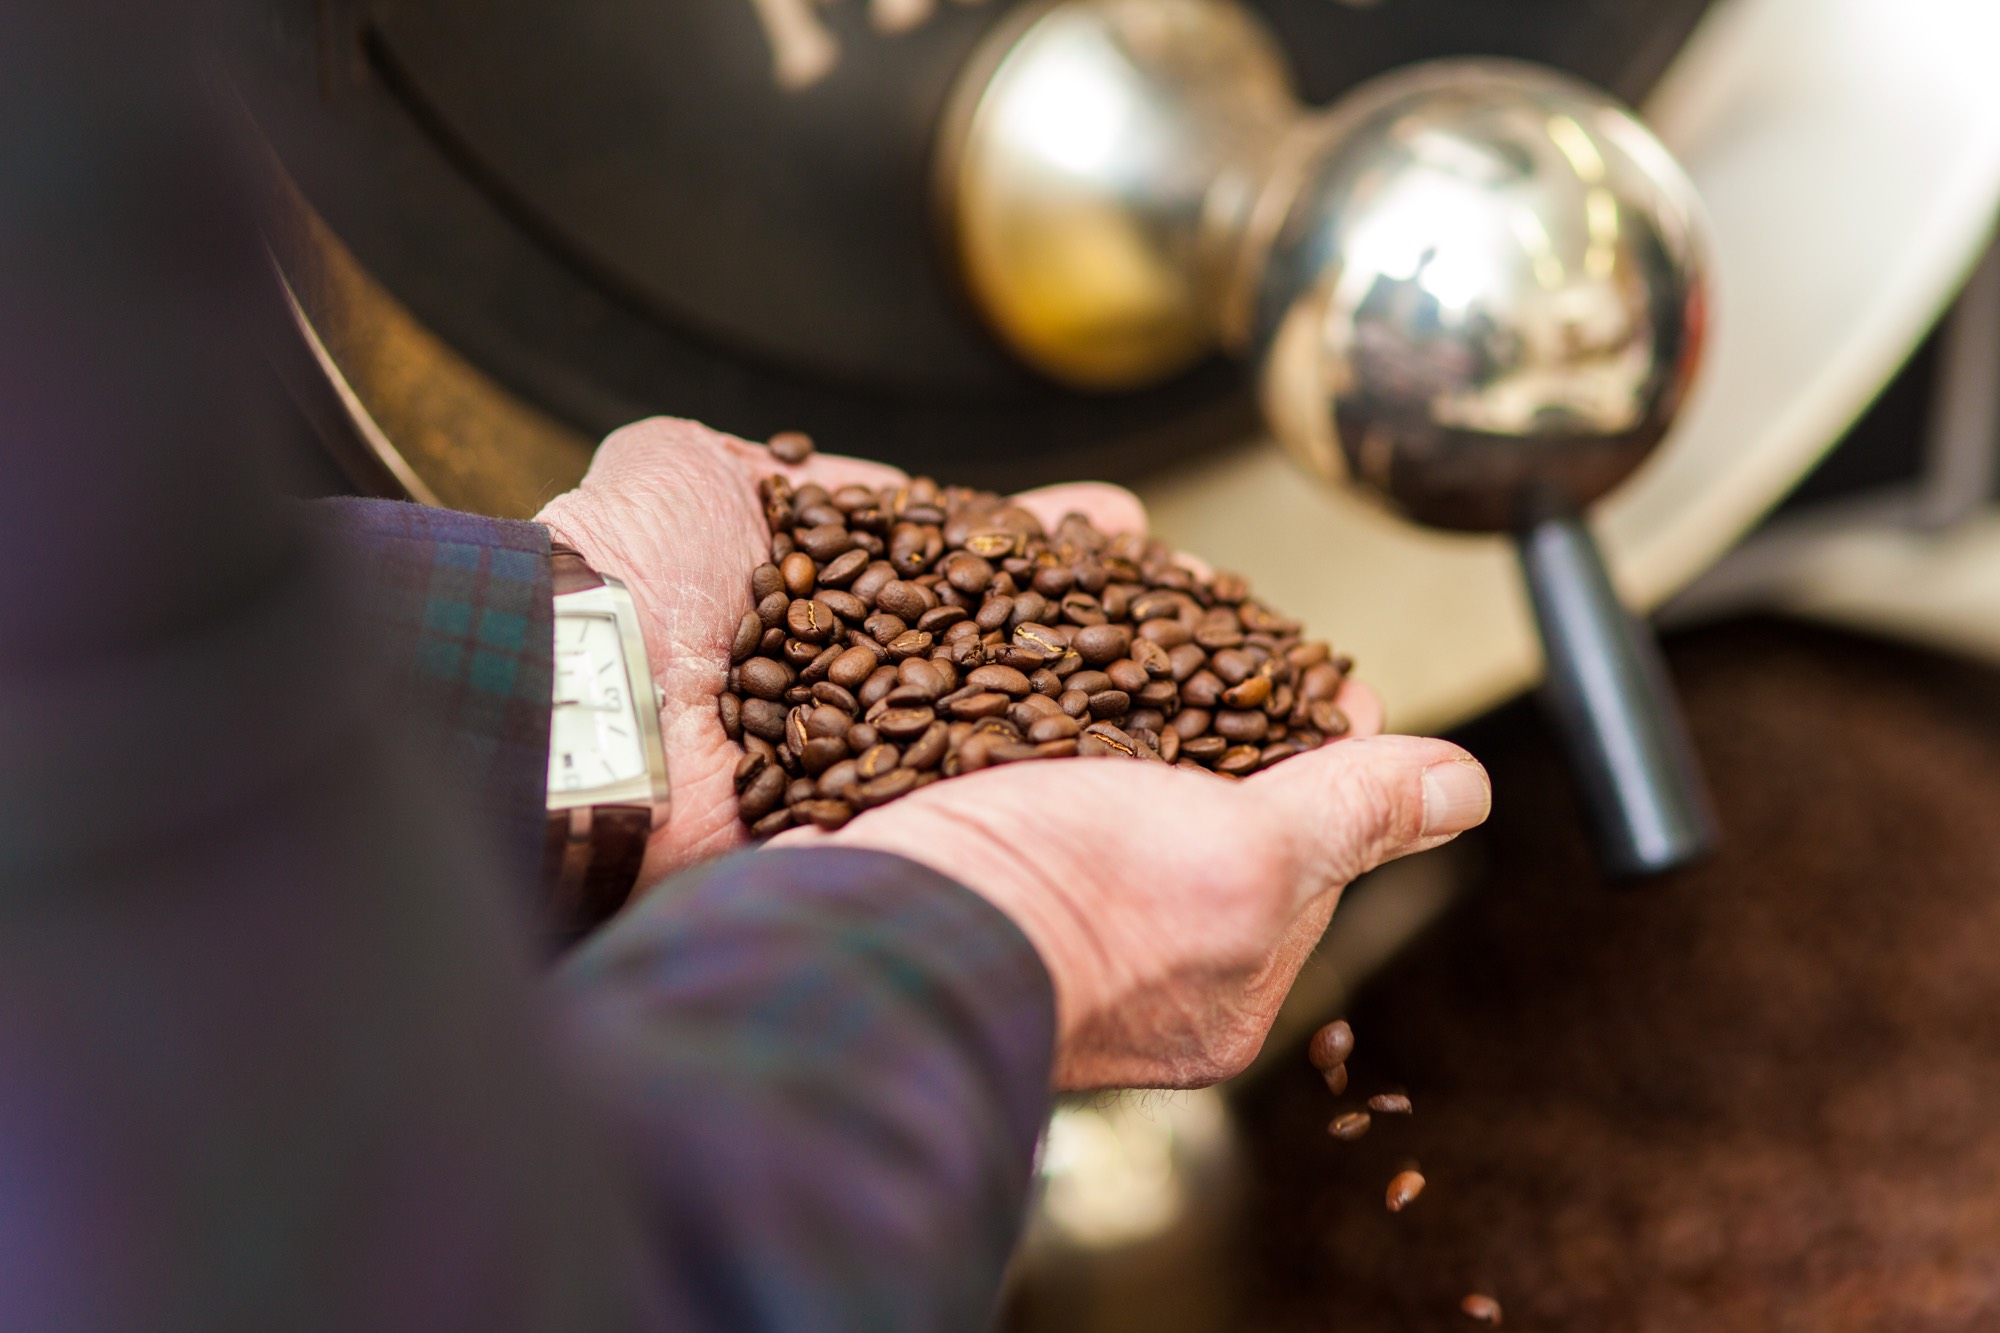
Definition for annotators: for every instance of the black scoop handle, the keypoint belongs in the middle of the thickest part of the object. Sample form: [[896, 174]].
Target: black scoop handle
[[1615, 708]]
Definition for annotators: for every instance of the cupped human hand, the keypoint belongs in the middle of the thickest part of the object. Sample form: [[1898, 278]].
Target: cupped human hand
[[1173, 909], [670, 507]]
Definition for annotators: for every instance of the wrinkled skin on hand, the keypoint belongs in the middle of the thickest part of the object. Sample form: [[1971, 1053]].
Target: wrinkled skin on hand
[[1173, 909]]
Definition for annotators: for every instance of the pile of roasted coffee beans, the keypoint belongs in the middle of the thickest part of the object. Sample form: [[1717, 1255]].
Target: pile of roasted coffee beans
[[912, 633]]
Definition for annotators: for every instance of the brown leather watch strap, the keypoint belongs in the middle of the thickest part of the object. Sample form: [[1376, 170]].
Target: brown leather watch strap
[[570, 572], [591, 859]]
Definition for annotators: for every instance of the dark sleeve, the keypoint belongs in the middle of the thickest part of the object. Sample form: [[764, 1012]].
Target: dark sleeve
[[461, 608], [829, 1069], [274, 1052]]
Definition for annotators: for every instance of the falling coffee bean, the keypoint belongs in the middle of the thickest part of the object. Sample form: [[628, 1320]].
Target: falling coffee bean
[[1389, 1103], [1336, 1079], [1481, 1307], [1349, 1127], [1404, 1187], [1331, 1045]]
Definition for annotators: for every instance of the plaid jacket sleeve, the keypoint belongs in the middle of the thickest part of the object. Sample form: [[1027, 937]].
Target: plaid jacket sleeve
[[461, 605], [828, 1070]]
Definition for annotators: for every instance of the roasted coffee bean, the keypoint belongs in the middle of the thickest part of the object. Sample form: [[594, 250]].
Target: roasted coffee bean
[[972, 707], [1250, 693], [1202, 690], [811, 621], [1389, 1103], [815, 671], [800, 789], [821, 753], [730, 710], [940, 618], [773, 641], [1110, 704], [1240, 761], [1103, 738], [1046, 642], [1328, 720], [790, 446], [1336, 1079], [1190, 722], [1481, 1307], [1005, 679], [905, 724], [1320, 681], [1204, 749], [1331, 1045], [826, 720], [1099, 645], [1166, 633], [1061, 727], [762, 793], [1161, 694], [928, 750], [877, 760], [825, 542], [771, 825], [1404, 1187], [800, 573], [765, 678], [1350, 1126], [773, 608], [839, 782], [1127, 675], [827, 692], [876, 688], [903, 599], [1080, 608], [967, 572], [1233, 666], [799, 653], [885, 788], [853, 666], [749, 633], [1241, 727], [766, 718], [994, 613], [841, 570], [749, 766], [843, 604], [765, 580], [824, 814], [910, 643]]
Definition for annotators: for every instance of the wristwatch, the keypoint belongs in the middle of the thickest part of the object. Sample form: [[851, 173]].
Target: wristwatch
[[607, 766]]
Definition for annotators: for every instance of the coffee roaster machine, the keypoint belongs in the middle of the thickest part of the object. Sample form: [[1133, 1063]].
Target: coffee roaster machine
[[1015, 243]]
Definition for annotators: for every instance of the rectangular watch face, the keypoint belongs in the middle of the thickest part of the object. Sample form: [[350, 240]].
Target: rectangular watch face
[[594, 736]]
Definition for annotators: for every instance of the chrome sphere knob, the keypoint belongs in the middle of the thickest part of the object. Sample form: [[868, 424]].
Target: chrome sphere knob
[[1473, 289], [1482, 297]]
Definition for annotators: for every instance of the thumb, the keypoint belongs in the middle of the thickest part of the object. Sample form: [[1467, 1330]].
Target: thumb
[[1348, 807]]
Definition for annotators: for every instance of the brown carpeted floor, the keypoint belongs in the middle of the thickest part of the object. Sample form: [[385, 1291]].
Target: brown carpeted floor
[[1763, 1095]]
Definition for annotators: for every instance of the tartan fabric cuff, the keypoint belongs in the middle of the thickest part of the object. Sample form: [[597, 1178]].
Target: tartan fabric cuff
[[464, 609]]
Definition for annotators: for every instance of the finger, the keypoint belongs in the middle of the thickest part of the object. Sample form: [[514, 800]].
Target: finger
[[1111, 509], [1345, 809]]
